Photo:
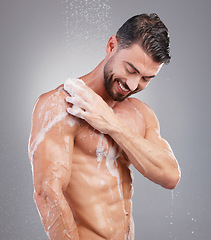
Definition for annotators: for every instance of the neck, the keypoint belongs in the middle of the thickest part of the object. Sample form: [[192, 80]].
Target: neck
[[95, 80]]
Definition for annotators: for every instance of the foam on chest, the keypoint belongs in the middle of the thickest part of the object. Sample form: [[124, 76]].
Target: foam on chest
[[102, 173], [95, 144], [98, 159]]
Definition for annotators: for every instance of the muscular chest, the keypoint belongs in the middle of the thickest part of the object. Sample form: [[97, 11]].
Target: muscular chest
[[96, 155], [133, 118], [93, 143]]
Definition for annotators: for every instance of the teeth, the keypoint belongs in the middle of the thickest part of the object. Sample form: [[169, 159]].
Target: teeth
[[121, 86]]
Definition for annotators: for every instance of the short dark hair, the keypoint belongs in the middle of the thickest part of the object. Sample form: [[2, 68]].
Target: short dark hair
[[148, 31]]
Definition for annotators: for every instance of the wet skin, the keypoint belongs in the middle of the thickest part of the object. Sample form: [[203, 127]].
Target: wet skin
[[81, 160], [105, 184], [100, 201]]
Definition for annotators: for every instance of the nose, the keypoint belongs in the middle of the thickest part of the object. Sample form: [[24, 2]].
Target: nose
[[132, 83]]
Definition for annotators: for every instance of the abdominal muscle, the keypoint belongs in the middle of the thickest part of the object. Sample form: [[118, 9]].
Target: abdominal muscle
[[100, 188]]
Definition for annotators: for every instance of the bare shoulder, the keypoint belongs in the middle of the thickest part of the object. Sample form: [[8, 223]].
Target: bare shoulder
[[148, 114], [50, 105], [53, 101], [50, 112], [51, 138]]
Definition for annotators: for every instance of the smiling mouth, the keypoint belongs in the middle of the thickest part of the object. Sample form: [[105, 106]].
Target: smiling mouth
[[122, 87]]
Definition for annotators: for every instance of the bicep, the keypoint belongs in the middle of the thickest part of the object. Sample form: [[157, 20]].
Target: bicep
[[152, 132], [52, 161], [51, 146], [153, 135]]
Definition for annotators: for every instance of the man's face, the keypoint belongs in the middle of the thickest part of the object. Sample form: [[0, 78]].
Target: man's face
[[128, 71]]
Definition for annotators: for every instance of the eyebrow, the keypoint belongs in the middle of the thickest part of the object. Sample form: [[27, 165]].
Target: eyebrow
[[138, 70]]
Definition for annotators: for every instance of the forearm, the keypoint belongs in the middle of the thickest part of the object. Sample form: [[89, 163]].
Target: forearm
[[57, 217], [153, 161], [150, 157]]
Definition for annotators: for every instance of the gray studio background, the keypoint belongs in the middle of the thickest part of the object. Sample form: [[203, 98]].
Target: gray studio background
[[43, 42]]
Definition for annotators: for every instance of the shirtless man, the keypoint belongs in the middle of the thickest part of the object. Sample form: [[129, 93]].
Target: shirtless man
[[86, 134]]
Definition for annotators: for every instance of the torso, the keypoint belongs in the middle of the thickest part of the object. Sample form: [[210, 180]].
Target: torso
[[100, 188]]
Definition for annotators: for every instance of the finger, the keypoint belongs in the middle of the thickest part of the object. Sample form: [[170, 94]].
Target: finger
[[70, 100], [77, 112], [68, 88], [78, 102], [71, 81], [74, 86], [78, 87]]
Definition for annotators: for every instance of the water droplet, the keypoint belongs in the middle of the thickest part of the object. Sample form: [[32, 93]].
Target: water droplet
[[86, 19], [172, 194]]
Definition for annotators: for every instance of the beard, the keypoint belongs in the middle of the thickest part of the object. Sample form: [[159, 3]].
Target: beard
[[108, 84], [110, 79]]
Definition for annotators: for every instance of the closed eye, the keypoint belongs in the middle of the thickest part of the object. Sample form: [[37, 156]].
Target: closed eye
[[131, 72], [145, 79], [131, 69]]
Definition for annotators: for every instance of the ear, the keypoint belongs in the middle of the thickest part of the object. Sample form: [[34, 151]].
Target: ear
[[111, 45]]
